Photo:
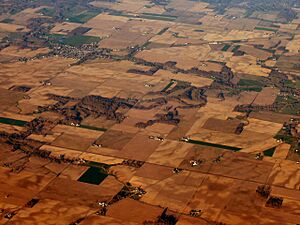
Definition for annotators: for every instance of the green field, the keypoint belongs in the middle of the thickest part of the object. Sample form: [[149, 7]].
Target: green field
[[92, 128], [267, 50], [79, 40], [289, 83], [291, 110], [235, 149], [93, 175], [265, 29], [48, 12], [285, 100], [247, 82], [75, 41], [7, 21], [289, 105], [163, 31], [15, 35], [225, 48], [297, 84], [250, 85], [84, 17], [153, 16], [269, 152], [168, 86], [13, 122]]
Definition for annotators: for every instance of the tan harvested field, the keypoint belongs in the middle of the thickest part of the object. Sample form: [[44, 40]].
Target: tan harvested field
[[133, 211], [104, 25], [105, 220], [247, 65], [18, 52], [182, 55], [145, 26], [282, 151], [266, 16], [133, 148], [262, 126], [245, 140], [26, 15], [114, 139], [266, 97], [49, 212], [271, 117], [170, 153], [130, 5], [226, 126], [8, 98], [153, 9], [285, 174], [12, 27], [10, 129], [241, 23], [80, 193], [259, 54], [293, 46], [64, 28], [236, 35], [33, 72], [196, 81], [288, 63]]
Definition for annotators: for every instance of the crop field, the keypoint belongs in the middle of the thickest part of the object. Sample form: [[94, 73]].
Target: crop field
[[12, 121]]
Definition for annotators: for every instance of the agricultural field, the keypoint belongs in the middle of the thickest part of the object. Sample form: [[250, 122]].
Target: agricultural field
[[142, 112]]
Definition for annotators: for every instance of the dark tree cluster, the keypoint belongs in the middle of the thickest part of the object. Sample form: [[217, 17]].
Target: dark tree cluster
[[164, 219], [263, 190], [274, 202]]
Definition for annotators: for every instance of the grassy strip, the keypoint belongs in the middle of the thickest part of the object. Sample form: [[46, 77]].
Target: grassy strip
[[199, 31], [155, 14], [255, 89], [13, 122], [265, 28], [160, 15], [235, 48], [92, 128], [163, 31], [269, 152], [150, 16], [7, 21], [225, 48], [168, 86], [268, 50], [214, 145]]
